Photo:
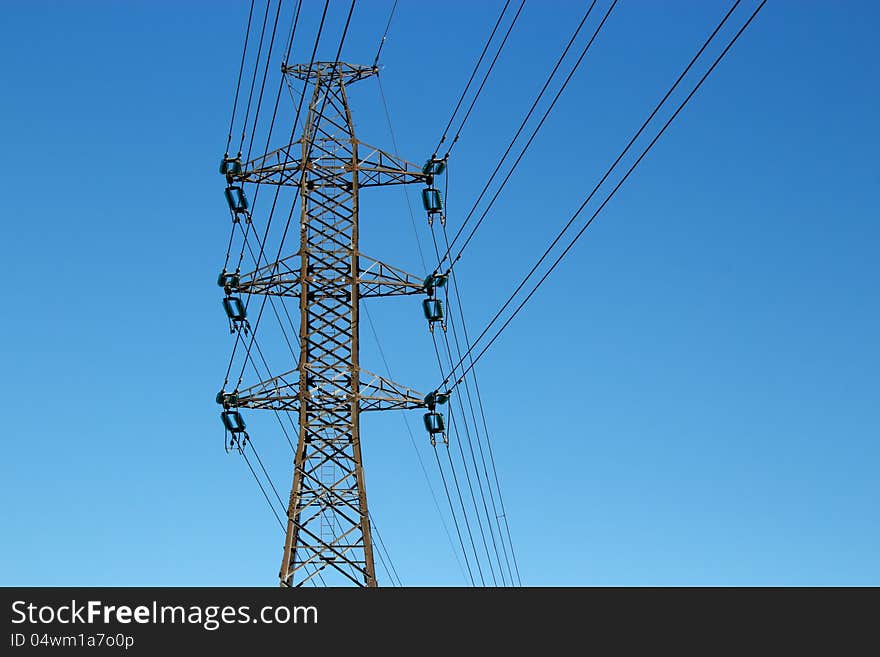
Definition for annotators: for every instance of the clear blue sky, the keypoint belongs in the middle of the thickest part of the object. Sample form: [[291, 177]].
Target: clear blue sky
[[692, 399]]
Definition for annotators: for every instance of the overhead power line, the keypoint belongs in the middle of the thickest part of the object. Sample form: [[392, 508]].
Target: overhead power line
[[308, 158], [390, 569], [461, 428], [483, 82], [246, 230], [254, 77], [464, 420], [471, 78], [454, 517], [502, 516], [263, 83], [470, 457], [247, 34], [238, 337], [384, 35], [412, 438], [396, 152], [454, 474], [525, 148], [464, 513], [592, 217]]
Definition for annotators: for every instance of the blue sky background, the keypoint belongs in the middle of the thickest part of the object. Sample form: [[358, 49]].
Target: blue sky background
[[691, 399]]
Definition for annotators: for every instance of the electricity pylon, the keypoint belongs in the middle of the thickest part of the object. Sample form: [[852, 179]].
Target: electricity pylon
[[328, 522]]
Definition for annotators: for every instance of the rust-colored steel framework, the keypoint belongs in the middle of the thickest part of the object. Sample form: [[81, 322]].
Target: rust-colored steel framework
[[328, 522]]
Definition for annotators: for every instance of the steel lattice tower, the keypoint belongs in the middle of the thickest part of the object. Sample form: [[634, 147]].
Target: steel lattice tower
[[328, 523]]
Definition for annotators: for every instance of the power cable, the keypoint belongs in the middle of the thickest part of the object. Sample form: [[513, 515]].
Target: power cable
[[598, 210], [263, 84], [483, 83], [479, 442], [308, 154], [525, 148], [471, 78], [384, 36], [238, 83], [467, 431], [254, 77], [473, 462], [453, 434], [381, 544], [413, 441], [397, 154], [522, 125], [293, 205], [454, 518]]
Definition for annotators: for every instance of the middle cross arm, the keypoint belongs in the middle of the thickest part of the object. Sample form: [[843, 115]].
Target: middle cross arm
[[282, 278], [282, 392]]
